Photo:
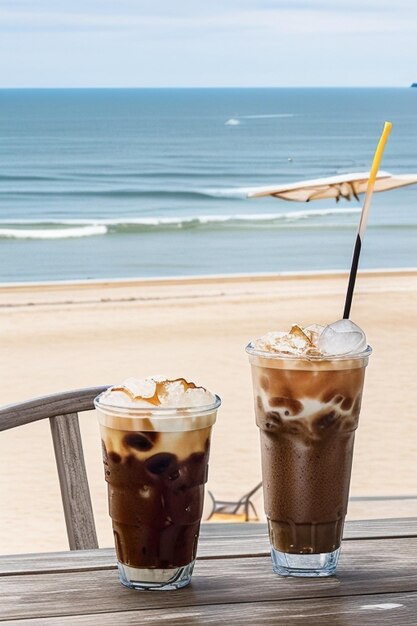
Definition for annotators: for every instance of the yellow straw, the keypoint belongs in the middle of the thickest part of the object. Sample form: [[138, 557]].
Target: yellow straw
[[378, 152], [372, 176]]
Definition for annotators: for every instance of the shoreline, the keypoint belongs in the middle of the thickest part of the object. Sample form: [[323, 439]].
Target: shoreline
[[204, 278]]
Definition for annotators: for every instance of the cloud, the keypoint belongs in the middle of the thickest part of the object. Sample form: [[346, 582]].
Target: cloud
[[262, 18], [219, 42]]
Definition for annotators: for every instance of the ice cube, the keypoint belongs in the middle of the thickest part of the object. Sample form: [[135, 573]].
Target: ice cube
[[294, 342], [121, 397], [270, 342], [116, 397], [181, 393], [198, 397], [342, 337], [171, 392], [314, 331], [297, 333], [140, 388]]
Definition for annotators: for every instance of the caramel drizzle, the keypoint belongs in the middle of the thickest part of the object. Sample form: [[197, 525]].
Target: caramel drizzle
[[155, 400]]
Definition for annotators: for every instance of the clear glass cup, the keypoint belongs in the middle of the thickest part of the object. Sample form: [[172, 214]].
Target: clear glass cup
[[156, 465], [307, 411]]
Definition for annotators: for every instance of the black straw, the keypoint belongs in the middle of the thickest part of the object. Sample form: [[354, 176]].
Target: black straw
[[352, 277]]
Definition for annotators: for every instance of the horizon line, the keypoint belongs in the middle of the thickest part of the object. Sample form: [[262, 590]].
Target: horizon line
[[46, 87]]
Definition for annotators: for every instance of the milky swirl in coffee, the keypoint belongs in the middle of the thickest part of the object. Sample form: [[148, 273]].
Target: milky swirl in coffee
[[156, 440], [309, 403]]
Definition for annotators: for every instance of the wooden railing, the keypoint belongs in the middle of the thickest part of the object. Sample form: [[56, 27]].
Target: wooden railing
[[62, 411]]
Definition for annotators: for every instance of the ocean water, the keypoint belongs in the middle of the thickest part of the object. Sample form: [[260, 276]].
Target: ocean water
[[153, 182]]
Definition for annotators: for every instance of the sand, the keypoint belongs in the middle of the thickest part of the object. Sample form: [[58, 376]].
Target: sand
[[69, 335]]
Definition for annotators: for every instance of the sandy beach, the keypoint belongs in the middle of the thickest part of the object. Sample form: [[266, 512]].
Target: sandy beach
[[63, 336]]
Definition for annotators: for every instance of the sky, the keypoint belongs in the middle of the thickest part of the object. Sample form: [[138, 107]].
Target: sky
[[207, 43]]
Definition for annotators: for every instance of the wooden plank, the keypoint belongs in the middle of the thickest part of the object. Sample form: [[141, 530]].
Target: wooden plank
[[366, 567], [51, 562], [354, 529], [367, 610], [48, 406], [75, 493], [216, 540]]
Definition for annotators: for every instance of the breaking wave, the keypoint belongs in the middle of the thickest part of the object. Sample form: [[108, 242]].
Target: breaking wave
[[70, 228], [120, 194], [52, 233]]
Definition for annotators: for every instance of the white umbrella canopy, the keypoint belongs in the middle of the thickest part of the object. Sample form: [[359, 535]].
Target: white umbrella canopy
[[346, 186]]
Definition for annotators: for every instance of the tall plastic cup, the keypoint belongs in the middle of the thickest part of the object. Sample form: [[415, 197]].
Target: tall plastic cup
[[156, 465], [307, 411]]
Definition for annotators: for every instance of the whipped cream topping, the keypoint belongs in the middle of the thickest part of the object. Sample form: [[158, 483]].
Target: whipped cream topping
[[157, 391], [337, 339]]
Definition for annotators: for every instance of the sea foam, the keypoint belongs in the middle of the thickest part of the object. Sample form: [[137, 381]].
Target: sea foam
[[52, 233], [87, 227]]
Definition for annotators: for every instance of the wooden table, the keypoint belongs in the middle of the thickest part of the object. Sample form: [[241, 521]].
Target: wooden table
[[233, 582]]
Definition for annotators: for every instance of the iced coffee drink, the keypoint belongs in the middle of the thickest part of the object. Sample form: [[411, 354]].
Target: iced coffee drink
[[307, 388], [156, 440]]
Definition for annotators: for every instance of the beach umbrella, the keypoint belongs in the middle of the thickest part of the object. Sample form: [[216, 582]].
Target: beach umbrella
[[346, 186]]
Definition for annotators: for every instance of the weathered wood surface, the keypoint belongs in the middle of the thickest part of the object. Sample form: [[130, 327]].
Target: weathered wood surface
[[48, 406], [216, 540], [364, 610], [367, 567], [75, 492]]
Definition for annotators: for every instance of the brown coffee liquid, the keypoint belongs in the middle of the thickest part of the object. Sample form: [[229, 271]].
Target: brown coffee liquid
[[307, 420], [155, 499]]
